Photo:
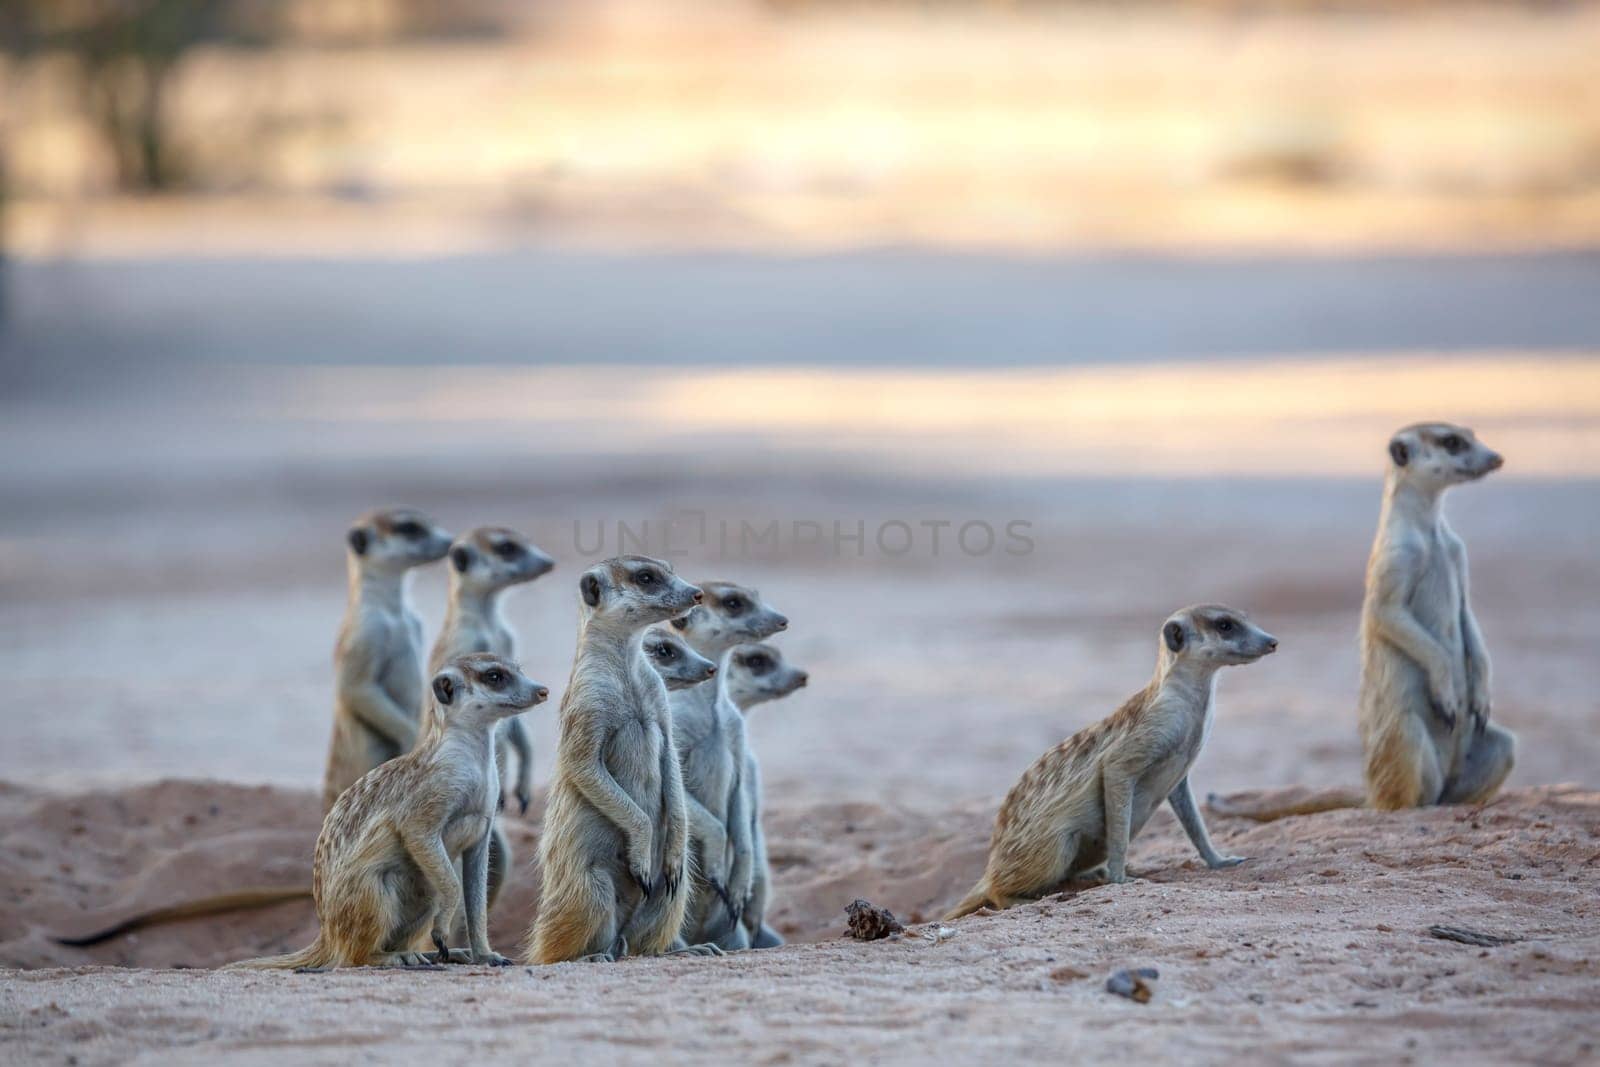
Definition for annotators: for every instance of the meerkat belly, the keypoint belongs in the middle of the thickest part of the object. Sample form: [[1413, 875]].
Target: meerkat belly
[[633, 755], [707, 775], [1436, 602], [466, 830]]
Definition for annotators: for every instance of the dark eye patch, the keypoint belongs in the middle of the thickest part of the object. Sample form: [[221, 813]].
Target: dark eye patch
[[1225, 626], [495, 678], [758, 664], [1453, 444], [508, 550], [408, 529], [733, 605], [646, 577]]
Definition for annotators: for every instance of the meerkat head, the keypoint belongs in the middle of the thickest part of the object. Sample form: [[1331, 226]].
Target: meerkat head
[[635, 591], [1215, 635], [395, 540], [731, 615], [492, 558], [1436, 455], [680, 666], [481, 688], [758, 673]]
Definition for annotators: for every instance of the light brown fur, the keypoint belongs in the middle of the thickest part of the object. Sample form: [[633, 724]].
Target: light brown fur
[[1080, 804], [384, 873]]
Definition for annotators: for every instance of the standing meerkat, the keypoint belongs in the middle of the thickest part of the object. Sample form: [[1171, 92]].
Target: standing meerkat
[[615, 843], [1080, 803], [1425, 727], [378, 658], [484, 564], [757, 674], [385, 866], [709, 730], [679, 665]]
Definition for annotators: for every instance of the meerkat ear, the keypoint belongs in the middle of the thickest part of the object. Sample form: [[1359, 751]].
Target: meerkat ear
[[444, 688], [1399, 452], [461, 558], [358, 539], [1173, 632], [589, 585]]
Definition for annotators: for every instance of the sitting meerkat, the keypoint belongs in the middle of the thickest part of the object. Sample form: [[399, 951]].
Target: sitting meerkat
[[1424, 700], [378, 659], [385, 866], [1080, 803], [1424, 704], [614, 853], [757, 674], [709, 731], [484, 564], [680, 666]]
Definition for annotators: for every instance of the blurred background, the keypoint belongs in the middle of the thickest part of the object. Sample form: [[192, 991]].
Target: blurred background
[[1156, 279]]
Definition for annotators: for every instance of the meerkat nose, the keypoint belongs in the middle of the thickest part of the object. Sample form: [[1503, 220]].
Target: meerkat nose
[[710, 671], [699, 597], [1272, 644], [783, 622], [1496, 461], [541, 693], [803, 679]]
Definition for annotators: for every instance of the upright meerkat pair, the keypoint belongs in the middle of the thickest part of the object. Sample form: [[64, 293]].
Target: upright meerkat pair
[[708, 728], [614, 854]]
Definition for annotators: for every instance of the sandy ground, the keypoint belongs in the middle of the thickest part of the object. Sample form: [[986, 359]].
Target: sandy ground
[[1317, 950]]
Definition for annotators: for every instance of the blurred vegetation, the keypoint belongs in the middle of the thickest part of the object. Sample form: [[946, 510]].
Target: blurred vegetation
[[125, 53]]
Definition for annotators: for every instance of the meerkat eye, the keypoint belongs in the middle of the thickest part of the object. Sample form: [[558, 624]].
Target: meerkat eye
[[1225, 626], [494, 678], [645, 578], [1453, 443], [667, 652], [732, 605], [758, 664], [408, 529], [508, 550]]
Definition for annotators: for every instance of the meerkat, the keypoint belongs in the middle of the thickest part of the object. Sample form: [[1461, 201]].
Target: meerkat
[[385, 866], [614, 852], [679, 665], [484, 564], [1424, 702], [709, 730], [378, 657], [1077, 807], [757, 674]]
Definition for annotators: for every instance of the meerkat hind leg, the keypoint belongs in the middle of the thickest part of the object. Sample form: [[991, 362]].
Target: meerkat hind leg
[[1403, 766], [766, 937], [1485, 767]]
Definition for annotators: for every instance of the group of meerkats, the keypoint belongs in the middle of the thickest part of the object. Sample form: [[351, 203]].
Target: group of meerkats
[[652, 838]]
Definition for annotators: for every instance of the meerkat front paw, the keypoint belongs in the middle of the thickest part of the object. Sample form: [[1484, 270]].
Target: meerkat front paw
[[489, 959], [1226, 861]]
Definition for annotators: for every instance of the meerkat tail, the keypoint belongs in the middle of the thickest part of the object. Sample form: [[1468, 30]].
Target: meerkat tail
[[978, 898], [241, 900], [318, 954], [1271, 805]]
